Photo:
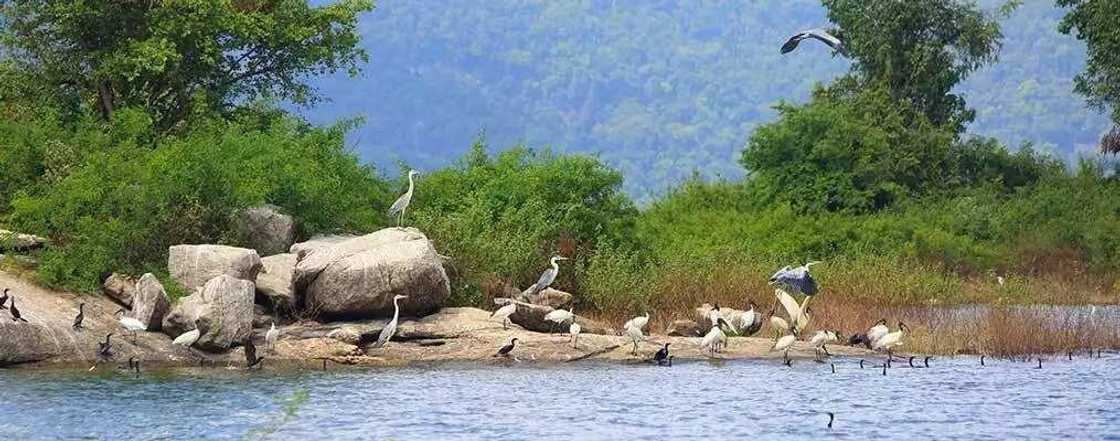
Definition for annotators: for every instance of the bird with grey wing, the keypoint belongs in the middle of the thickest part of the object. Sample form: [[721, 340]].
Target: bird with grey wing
[[815, 34], [401, 205]]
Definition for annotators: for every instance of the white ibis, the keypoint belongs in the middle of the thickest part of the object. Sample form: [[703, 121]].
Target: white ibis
[[504, 312], [714, 340], [821, 339], [890, 341], [784, 344], [130, 324], [559, 317], [878, 331], [635, 334]]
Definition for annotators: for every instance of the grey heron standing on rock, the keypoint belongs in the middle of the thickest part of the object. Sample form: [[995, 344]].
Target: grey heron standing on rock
[[401, 205], [81, 316], [547, 277], [16, 316], [390, 328], [816, 34]]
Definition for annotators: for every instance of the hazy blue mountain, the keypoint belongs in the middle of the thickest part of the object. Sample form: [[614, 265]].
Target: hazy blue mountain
[[660, 89]]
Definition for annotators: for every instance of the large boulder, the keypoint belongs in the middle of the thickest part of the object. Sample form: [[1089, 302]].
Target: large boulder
[[531, 317], [194, 265], [274, 283], [685, 328], [150, 303], [266, 229], [119, 287], [553, 298], [223, 308], [358, 278], [317, 242], [13, 241], [26, 342]]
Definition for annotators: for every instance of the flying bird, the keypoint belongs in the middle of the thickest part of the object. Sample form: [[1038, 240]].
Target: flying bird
[[391, 328], [401, 205], [816, 34], [797, 280]]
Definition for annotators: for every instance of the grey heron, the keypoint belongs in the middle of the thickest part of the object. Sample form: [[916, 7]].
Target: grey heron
[[797, 280], [505, 350], [662, 356], [560, 317], [401, 205], [16, 316], [504, 312], [271, 336], [81, 316], [4, 299], [547, 277], [816, 34], [130, 324], [390, 328]]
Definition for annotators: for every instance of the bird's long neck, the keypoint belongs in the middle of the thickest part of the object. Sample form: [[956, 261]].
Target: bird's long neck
[[411, 185], [396, 309], [555, 266]]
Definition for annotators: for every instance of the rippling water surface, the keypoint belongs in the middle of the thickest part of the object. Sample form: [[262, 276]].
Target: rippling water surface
[[953, 399]]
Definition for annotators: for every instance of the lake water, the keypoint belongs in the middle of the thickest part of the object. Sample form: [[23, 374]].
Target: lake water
[[953, 399]]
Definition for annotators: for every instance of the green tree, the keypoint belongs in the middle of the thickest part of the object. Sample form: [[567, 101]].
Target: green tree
[[920, 50], [1097, 23], [172, 58]]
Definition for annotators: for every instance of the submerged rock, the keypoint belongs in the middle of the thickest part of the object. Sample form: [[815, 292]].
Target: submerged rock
[[223, 308], [266, 230], [150, 303], [194, 265], [358, 278], [275, 284]]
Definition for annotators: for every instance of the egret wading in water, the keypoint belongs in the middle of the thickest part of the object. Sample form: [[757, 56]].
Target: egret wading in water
[[81, 316], [784, 344], [574, 331], [16, 315], [816, 34], [559, 317], [504, 312], [546, 279], [390, 328], [505, 350], [271, 336], [662, 357], [130, 324], [401, 205]]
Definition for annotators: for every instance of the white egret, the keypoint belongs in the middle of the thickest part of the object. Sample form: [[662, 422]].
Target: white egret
[[890, 341], [187, 339], [714, 340], [784, 344], [878, 331], [390, 328], [547, 277], [820, 341], [271, 336], [505, 350], [662, 356], [80, 317], [131, 324], [635, 334], [639, 322], [504, 312], [816, 34], [559, 317], [401, 205], [573, 331]]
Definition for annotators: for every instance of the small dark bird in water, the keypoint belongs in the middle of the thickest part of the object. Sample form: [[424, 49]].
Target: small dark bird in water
[[133, 365], [911, 361], [884, 369], [1039, 364], [16, 316], [859, 339], [505, 350], [833, 367], [861, 363], [81, 316], [662, 356], [926, 362], [251, 358], [4, 299], [981, 360], [831, 417], [105, 350]]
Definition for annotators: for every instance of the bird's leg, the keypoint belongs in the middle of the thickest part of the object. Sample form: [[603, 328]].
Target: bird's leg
[[505, 323], [825, 349]]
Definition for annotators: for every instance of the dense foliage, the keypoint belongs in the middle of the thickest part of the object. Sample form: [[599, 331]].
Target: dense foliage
[[1098, 24]]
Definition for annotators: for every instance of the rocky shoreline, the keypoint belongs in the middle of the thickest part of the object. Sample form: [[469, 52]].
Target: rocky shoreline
[[329, 297]]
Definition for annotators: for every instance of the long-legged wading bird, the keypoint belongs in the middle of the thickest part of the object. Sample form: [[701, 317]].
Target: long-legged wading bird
[[271, 336], [105, 350], [878, 331], [890, 341], [130, 324], [784, 344], [635, 335], [638, 322], [662, 356], [820, 341], [504, 312], [749, 321], [816, 34], [798, 317], [507, 348], [715, 339], [778, 325], [574, 331], [559, 317], [4, 299], [81, 316], [16, 315], [401, 205], [390, 328], [547, 277], [251, 358]]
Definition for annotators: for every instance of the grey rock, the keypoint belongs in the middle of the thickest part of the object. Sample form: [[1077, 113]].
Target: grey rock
[[120, 287], [26, 342], [13, 241], [274, 283], [223, 308], [553, 298], [318, 242], [266, 230], [531, 317], [150, 302], [194, 265], [313, 260], [685, 328]]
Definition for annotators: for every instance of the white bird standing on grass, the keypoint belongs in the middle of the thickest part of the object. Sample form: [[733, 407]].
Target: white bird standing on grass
[[560, 317], [401, 205], [130, 324], [504, 312], [271, 336], [390, 329]]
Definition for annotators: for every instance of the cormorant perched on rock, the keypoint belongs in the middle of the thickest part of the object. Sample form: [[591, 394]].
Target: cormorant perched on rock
[[505, 350], [105, 350], [662, 356], [251, 358], [81, 316], [16, 316], [4, 299]]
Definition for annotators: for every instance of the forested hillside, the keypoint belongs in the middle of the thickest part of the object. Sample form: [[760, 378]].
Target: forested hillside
[[657, 88]]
